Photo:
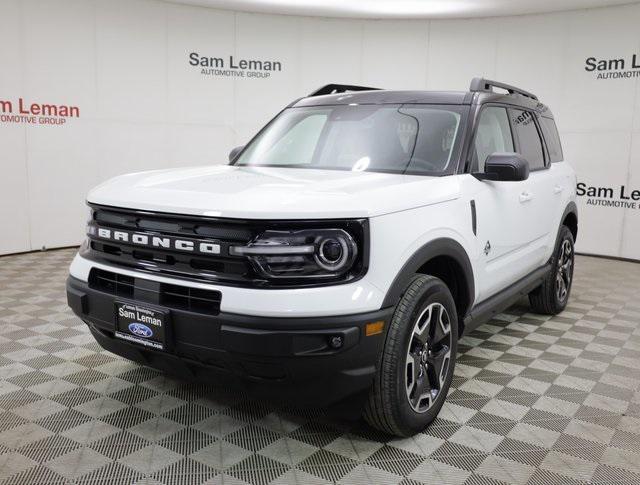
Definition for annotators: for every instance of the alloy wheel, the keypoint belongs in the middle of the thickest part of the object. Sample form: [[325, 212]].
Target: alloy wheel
[[428, 357], [564, 271]]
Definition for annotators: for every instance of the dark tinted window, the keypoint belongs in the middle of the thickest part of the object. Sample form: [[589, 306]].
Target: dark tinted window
[[530, 144], [552, 138], [493, 134]]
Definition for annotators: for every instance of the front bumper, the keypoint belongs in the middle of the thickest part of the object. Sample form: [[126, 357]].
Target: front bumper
[[280, 358], [361, 296]]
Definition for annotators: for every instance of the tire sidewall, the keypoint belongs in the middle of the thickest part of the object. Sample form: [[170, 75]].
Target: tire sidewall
[[434, 291], [564, 235]]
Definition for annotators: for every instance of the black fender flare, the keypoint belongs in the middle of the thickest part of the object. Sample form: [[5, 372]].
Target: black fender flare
[[571, 208], [437, 247]]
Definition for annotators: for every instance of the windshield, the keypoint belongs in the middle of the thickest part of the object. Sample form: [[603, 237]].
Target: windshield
[[421, 139]]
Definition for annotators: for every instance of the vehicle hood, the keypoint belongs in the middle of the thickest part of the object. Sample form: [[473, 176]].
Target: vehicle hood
[[268, 193]]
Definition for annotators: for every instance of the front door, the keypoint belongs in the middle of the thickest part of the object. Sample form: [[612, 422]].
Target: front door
[[507, 213]]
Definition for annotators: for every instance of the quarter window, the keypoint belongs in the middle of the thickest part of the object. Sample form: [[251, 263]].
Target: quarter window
[[550, 133], [530, 144], [492, 135]]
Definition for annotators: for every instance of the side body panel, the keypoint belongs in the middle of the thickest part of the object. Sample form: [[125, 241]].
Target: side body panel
[[563, 183], [505, 238], [396, 238]]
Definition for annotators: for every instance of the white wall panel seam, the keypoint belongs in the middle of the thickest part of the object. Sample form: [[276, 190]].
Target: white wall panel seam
[[629, 160], [23, 84], [428, 56]]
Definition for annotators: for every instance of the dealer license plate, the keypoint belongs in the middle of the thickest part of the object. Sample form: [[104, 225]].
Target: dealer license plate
[[141, 325]]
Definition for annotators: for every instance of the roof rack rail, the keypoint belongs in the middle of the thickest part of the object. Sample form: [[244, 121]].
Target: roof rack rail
[[339, 88], [481, 84]]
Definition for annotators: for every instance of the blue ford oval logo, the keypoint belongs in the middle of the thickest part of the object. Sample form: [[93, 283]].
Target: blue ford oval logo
[[140, 330]]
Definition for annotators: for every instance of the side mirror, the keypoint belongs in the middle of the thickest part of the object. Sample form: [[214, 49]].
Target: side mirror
[[504, 167], [234, 153]]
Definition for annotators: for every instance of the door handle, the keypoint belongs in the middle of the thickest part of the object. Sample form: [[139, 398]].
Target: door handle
[[557, 189], [525, 197]]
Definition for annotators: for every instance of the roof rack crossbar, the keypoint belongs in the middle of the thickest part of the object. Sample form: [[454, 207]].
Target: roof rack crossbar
[[340, 88], [481, 84]]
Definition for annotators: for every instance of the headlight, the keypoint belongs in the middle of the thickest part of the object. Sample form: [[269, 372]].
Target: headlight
[[90, 227], [333, 252], [305, 253]]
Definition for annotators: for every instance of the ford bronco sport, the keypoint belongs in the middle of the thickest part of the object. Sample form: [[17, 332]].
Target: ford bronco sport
[[342, 252]]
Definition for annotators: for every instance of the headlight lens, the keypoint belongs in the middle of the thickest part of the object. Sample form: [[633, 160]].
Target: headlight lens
[[90, 228], [306, 253], [333, 252]]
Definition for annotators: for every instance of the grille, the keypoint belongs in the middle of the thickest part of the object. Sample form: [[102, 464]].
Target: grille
[[170, 296], [174, 224], [149, 242], [222, 267], [192, 299], [112, 283]]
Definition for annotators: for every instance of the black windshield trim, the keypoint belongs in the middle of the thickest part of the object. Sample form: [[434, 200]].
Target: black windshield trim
[[344, 169]]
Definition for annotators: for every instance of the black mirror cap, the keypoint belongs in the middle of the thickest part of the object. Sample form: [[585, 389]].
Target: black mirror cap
[[505, 167], [235, 152]]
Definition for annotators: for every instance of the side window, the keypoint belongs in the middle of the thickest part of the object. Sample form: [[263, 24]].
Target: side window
[[530, 144], [552, 138], [492, 135]]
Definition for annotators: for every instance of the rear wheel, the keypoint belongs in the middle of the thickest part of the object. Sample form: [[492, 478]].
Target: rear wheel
[[552, 295], [418, 360]]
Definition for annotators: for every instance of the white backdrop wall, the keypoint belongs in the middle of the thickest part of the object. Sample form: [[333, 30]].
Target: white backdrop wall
[[125, 65]]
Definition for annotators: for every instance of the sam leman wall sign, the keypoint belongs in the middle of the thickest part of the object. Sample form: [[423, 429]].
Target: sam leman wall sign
[[233, 66], [620, 197], [25, 112], [614, 68]]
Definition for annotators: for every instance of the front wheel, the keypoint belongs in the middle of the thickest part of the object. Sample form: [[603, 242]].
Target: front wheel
[[552, 295], [418, 360]]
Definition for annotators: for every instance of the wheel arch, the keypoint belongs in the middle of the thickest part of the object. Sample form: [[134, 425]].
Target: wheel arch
[[570, 219], [446, 259]]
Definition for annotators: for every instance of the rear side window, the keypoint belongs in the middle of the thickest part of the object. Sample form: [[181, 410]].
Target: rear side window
[[530, 143], [550, 132], [492, 135]]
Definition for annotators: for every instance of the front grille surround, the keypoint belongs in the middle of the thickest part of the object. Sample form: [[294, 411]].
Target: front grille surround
[[223, 268]]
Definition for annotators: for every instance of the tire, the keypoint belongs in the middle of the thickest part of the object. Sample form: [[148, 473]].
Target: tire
[[551, 297], [419, 354]]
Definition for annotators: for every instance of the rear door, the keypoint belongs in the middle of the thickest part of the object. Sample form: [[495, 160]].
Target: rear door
[[538, 199]]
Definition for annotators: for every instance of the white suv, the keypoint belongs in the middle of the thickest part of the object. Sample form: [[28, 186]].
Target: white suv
[[342, 252]]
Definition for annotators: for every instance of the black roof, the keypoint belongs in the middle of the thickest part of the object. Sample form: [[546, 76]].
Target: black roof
[[480, 92]]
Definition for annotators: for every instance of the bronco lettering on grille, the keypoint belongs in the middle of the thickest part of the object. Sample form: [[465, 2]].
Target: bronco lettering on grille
[[163, 242]]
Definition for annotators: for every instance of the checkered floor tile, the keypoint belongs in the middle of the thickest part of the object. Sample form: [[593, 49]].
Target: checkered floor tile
[[534, 400]]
